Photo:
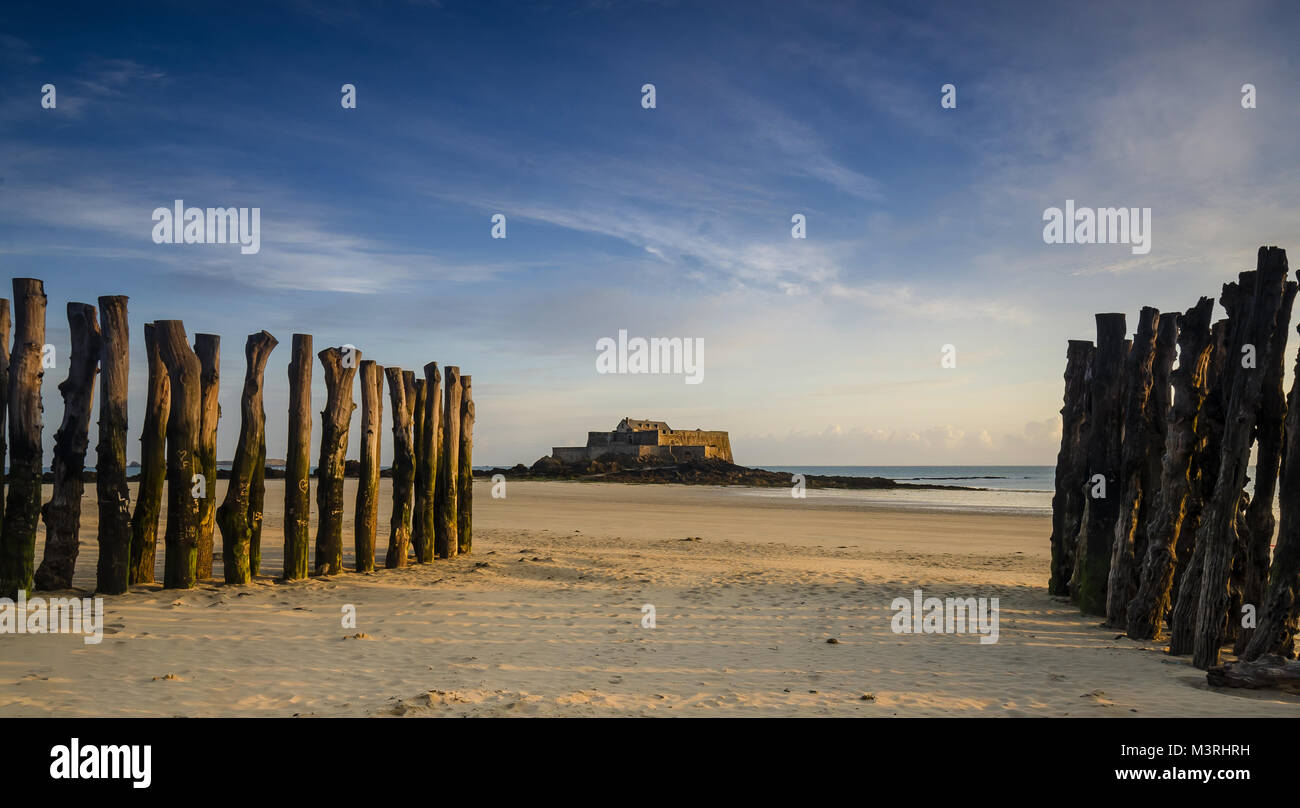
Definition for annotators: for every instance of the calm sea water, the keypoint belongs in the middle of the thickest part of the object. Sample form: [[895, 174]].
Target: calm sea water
[[983, 489], [977, 489], [1006, 478]]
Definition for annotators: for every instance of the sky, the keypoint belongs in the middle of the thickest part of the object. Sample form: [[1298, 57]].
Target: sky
[[924, 224]]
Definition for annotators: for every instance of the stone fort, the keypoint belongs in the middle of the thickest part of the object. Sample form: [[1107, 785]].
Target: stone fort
[[639, 441]]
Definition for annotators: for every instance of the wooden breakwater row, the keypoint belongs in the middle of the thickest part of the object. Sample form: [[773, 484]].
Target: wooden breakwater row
[[1152, 524], [432, 438]]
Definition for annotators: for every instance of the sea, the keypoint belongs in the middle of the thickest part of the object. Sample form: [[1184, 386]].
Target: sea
[[975, 489]]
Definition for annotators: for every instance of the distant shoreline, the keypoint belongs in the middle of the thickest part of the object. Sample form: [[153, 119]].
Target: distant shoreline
[[700, 472]]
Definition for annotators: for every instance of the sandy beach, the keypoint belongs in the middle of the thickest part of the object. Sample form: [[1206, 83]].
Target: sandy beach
[[545, 618]]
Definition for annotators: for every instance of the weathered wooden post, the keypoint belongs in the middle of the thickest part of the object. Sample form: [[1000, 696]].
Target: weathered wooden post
[[1186, 594], [465, 473], [408, 384], [446, 543], [372, 415], [235, 516], [183, 425], [428, 447], [62, 513], [1133, 453], [1276, 628], [1159, 408], [1071, 466], [4, 396], [340, 367], [113, 572], [1103, 464], [23, 501], [399, 531], [1219, 526], [208, 349], [257, 504], [153, 464], [420, 387], [1147, 610], [297, 468], [1270, 435]]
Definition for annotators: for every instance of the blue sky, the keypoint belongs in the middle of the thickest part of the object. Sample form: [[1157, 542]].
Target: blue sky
[[924, 224]]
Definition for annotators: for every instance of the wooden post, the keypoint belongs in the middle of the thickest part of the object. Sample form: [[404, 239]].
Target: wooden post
[[208, 349], [4, 396], [1205, 470], [1147, 610], [184, 423], [153, 464], [372, 420], [256, 502], [340, 366], [1159, 409], [1103, 459], [1276, 627], [62, 513], [23, 502], [1205, 462], [465, 472], [297, 468], [235, 516], [1133, 452], [1219, 526], [399, 532], [418, 539], [428, 447], [1270, 434], [446, 543], [113, 572], [1071, 466]]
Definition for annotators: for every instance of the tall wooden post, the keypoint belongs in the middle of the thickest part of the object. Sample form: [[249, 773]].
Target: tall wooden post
[[153, 464], [1219, 526], [1205, 458], [1103, 464], [235, 516], [1186, 594], [372, 415], [465, 473], [23, 501], [4, 396], [1071, 466], [340, 367], [1147, 610], [208, 349], [446, 543], [183, 425], [428, 447], [1278, 613], [1270, 434], [1121, 577], [1159, 409], [418, 538], [297, 468], [113, 573], [399, 531], [62, 513]]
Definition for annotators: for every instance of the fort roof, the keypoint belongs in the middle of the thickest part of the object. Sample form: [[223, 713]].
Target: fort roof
[[639, 425]]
